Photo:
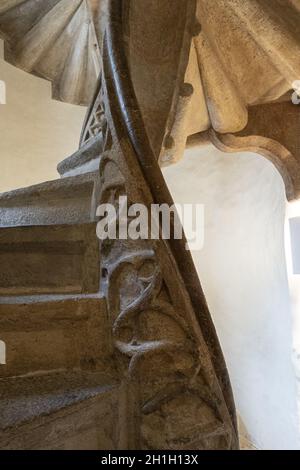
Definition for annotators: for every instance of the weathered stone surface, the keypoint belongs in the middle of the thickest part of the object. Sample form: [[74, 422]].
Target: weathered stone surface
[[50, 334], [65, 411], [85, 160], [158, 53], [243, 59], [248, 54], [49, 260], [54, 39], [171, 368], [51, 203]]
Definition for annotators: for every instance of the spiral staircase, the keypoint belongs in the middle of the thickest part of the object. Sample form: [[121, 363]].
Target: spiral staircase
[[82, 371], [53, 393]]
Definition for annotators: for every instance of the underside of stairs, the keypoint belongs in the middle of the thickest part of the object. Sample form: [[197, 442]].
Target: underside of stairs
[[56, 40]]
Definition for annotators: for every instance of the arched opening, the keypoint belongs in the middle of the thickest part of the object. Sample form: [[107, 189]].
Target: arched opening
[[242, 267]]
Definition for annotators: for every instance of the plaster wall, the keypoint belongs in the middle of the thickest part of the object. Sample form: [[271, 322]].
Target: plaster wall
[[242, 268], [36, 131], [293, 211]]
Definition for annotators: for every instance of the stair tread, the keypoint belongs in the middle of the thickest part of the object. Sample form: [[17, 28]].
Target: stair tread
[[63, 186], [83, 156], [23, 311], [31, 299], [23, 399], [64, 201]]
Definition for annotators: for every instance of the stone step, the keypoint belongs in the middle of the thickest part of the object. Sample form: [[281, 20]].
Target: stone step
[[85, 160], [55, 335], [64, 411], [50, 259], [62, 201]]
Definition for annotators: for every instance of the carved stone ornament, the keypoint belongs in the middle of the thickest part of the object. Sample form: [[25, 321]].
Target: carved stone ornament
[[175, 391]]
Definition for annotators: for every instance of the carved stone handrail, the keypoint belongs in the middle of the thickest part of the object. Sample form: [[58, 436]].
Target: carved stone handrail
[[167, 353]]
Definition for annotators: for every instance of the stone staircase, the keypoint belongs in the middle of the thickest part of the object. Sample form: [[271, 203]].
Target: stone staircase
[[58, 388], [58, 411], [104, 349]]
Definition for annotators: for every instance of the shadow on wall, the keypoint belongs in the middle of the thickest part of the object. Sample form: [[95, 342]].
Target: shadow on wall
[[36, 131], [242, 268]]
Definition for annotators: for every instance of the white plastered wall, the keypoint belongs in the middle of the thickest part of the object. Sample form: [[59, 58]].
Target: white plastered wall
[[36, 131], [242, 268]]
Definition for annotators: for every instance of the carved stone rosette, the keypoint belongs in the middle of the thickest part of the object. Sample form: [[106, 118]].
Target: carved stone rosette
[[171, 395]]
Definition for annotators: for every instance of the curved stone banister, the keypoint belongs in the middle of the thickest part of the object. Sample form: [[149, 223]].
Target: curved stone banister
[[132, 119], [166, 348]]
